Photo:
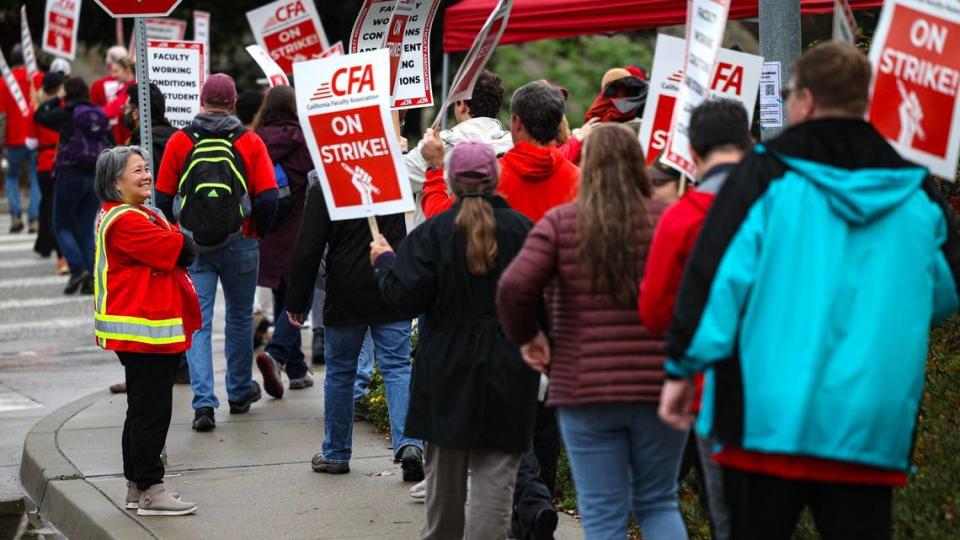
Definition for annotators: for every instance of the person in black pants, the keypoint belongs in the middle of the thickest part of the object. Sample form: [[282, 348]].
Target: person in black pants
[[534, 514]]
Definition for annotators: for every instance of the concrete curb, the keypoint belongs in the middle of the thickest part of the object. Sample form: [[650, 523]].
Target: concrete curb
[[60, 493]]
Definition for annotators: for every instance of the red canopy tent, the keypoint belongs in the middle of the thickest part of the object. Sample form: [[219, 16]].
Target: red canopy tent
[[531, 20]]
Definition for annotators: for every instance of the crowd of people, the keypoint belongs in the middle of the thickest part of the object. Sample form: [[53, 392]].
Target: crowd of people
[[565, 296]]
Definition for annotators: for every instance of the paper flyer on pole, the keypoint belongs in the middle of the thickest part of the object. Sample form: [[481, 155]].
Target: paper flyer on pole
[[916, 75], [483, 46], [370, 29], [289, 30], [706, 23], [275, 75], [26, 44], [771, 105], [201, 33], [13, 86], [176, 67], [60, 22], [408, 40], [736, 76], [343, 103], [844, 23]]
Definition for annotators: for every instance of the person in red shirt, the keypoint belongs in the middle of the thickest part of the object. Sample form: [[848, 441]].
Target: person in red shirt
[[534, 175], [233, 264], [105, 89], [20, 142]]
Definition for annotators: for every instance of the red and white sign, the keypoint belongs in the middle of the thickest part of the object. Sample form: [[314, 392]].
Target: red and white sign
[[343, 103], [201, 33], [14, 87], [916, 78], [334, 50], [706, 23], [26, 44], [138, 8], [176, 67], [370, 29], [60, 22], [275, 75], [736, 76], [166, 29], [477, 57], [289, 30], [408, 40], [844, 24]]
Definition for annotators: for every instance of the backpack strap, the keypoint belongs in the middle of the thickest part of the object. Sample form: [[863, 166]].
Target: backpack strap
[[192, 133]]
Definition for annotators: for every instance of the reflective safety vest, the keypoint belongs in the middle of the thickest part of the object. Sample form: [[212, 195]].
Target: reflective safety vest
[[133, 304]]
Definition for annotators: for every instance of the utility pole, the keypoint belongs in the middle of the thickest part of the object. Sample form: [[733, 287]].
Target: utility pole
[[779, 42]]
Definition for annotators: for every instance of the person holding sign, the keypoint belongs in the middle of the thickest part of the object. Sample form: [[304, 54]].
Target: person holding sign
[[807, 302]]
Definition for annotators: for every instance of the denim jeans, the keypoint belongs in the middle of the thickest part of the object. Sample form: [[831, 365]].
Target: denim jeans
[[286, 344], [235, 265], [75, 209], [623, 456], [15, 157], [343, 344], [364, 368]]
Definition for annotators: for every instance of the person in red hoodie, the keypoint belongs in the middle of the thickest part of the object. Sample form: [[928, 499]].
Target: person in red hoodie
[[534, 175], [20, 142], [106, 89], [719, 137]]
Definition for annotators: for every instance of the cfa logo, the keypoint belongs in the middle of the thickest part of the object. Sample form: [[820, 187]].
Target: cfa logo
[[285, 13], [346, 81], [66, 5]]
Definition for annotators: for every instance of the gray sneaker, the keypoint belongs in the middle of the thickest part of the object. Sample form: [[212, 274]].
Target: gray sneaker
[[321, 465], [133, 496], [155, 501], [302, 382]]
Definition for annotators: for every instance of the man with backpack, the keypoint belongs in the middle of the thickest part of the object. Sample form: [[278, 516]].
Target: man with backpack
[[217, 180]]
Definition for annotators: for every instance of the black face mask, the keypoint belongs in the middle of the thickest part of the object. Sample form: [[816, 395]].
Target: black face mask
[[128, 120]]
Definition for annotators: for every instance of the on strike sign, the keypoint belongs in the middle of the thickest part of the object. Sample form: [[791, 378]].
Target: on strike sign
[[916, 62], [343, 103], [176, 67], [271, 69], [289, 30], [60, 23]]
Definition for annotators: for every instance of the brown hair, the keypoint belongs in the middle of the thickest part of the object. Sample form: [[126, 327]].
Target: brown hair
[[278, 105], [126, 62], [838, 76], [476, 222], [613, 186]]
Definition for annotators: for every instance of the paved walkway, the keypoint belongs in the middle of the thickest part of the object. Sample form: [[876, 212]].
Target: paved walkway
[[251, 476]]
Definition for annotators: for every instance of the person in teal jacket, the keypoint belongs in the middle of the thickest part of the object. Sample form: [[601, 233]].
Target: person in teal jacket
[[807, 303]]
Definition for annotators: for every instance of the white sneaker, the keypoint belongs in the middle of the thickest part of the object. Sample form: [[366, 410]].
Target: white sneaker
[[155, 501], [419, 491]]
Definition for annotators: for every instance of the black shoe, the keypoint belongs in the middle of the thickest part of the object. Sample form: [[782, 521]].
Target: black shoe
[[203, 419], [16, 225], [321, 465], [241, 407], [545, 524], [76, 281], [411, 459], [87, 287], [361, 411], [183, 373]]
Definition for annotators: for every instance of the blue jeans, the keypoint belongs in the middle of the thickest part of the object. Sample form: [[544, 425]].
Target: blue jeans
[[343, 344], [364, 368], [15, 157], [235, 265], [286, 344], [623, 456], [75, 209]]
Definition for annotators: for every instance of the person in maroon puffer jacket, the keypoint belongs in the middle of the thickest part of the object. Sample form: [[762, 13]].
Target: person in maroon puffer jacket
[[605, 368]]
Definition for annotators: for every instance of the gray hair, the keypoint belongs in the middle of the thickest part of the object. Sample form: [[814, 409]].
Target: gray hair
[[110, 166]]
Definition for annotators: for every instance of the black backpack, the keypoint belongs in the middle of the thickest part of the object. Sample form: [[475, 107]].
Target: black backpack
[[212, 199]]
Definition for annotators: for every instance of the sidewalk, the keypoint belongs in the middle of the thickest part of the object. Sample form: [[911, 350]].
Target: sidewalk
[[251, 476]]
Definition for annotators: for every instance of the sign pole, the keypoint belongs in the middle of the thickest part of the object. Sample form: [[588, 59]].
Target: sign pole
[[143, 94]]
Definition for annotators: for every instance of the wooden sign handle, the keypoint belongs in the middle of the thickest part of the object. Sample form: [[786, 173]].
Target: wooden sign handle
[[374, 228]]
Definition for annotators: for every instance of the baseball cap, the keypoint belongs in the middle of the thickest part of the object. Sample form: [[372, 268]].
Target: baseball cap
[[219, 88], [473, 163]]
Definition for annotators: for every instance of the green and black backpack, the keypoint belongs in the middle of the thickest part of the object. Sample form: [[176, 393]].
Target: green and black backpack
[[212, 199]]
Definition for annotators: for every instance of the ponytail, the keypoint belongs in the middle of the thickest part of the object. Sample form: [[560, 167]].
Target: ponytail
[[475, 221]]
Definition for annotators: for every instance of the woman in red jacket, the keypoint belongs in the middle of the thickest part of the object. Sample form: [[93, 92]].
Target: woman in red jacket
[[605, 368], [146, 310]]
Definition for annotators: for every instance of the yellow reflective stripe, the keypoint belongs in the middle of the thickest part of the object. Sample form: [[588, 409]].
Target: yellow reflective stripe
[[101, 264], [214, 184], [139, 329], [229, 161], [156, 323], [104, 336]]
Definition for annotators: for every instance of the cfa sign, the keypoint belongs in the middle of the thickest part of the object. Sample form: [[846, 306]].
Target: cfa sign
[[289, 30], [138, 8]]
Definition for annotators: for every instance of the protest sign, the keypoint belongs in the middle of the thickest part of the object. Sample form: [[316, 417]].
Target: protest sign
[[176, 67], [201, 33], [60, 22], [706, 22], [271, 69], [916, 77], [334, 50], [844, 24], [166, 29], [370, 29], [14, 87], [408, 40], [26, 44], [289, 30], [736, 76], [483, 45], [343, 103], [771, 105]]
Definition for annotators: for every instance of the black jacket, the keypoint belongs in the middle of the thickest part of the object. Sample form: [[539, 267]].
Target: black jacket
[[352, 293], [471, 388], [161, 133]]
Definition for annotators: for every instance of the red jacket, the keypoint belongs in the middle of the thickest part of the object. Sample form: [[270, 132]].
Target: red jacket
[[143, 302], [19, 127], [102, 92], [533, 179]]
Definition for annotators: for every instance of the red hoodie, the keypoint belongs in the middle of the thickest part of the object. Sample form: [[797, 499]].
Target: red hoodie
[[533, 180], [19, 127]]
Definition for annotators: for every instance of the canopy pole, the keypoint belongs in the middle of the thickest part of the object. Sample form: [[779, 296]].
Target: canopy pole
[[779, 42], [445, 88]]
